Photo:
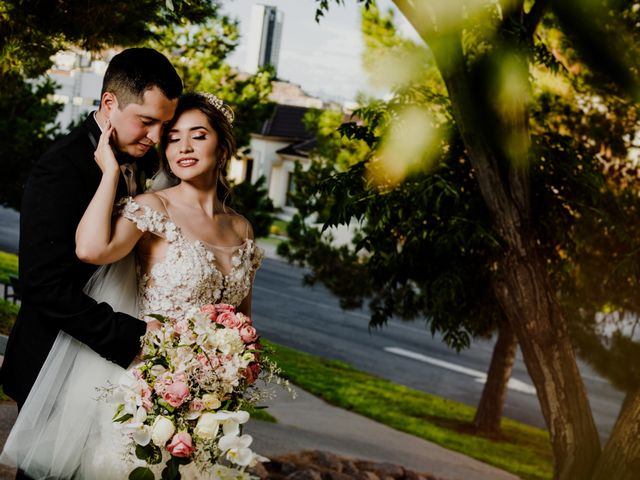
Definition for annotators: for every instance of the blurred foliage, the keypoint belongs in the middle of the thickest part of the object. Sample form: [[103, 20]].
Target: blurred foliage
[[199, 52], [252, 200], [27, 126], [426, 247], [31, 32]]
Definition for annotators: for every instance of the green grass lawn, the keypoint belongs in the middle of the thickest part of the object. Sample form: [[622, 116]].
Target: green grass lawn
[[8, 310], [522, 450], [8, 266]]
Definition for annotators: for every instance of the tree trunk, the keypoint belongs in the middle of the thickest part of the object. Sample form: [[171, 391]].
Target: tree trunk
[[522, 284], [489, 413], [623, 444]]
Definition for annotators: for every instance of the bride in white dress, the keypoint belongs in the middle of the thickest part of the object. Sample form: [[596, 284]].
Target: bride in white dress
[[167, 252]]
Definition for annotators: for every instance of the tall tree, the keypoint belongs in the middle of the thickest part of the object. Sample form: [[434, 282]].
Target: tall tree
[[483, 52]]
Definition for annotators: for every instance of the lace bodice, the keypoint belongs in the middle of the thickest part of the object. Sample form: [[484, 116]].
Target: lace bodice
[[188, 276]]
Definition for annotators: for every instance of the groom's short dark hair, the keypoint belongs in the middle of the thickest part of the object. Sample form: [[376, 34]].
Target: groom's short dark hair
[[136, 70]]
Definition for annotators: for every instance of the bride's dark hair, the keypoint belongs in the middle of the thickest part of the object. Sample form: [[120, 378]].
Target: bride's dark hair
[[222, 126]]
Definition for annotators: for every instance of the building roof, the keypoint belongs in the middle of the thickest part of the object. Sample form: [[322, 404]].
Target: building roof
[[300, 149], [286, 122]]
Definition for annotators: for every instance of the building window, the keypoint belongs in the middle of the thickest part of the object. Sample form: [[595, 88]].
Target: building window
[[291, 189], [247, 175]]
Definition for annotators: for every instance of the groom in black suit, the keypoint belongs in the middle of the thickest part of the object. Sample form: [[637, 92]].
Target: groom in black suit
[[139, 95]]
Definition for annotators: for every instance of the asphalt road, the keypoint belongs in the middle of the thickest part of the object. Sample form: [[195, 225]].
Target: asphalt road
[[9, 230], [310, 319]]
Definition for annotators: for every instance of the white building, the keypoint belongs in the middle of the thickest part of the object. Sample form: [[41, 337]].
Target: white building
[[265, 31], [79, 80], [274, 150]]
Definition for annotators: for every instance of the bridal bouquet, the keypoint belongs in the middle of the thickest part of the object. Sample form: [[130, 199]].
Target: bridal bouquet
[[185, 402]]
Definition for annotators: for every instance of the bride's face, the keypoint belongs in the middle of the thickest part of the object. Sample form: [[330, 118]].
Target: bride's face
[[192, 146]]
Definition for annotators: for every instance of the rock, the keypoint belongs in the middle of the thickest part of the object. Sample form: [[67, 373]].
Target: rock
[[364, 475], [327, 460], [319, 465], [409, 475], [288, 468], [259, 470], [382, 469], [336, 476], [305, 474], [349, 467]]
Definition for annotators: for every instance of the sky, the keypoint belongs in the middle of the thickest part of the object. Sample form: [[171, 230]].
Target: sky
[[325, 58]]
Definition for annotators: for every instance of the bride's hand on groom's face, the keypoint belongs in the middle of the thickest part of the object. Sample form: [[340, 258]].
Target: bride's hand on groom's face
[[104, 156]]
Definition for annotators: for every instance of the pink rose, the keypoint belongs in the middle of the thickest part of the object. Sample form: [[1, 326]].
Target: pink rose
[[146, 395], [248, 333], [224, 307], [181, 327], [181, 445], [229, 320], [244, 318], [208, 309], [196, 405], [251, 372], [203, 360], [176, 393]]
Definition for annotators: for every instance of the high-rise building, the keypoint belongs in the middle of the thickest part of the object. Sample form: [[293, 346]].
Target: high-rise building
[[265, 30]]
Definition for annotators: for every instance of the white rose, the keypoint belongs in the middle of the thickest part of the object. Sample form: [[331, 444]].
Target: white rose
[[207, 426], [162, 430], [211, 401]]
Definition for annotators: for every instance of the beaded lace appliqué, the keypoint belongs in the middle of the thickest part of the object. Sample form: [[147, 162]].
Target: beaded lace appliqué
[[188, 276]]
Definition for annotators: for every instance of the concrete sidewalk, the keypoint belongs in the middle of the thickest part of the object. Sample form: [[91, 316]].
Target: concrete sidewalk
[[309, 423]]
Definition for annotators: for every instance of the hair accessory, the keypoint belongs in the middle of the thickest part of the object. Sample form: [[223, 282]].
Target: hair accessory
[[220, 105]]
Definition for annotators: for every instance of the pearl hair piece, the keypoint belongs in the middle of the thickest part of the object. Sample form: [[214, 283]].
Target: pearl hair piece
[[220, 105]]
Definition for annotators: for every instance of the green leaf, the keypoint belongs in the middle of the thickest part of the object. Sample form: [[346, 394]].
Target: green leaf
[[158, 317], [150, 453], [123, 418], [172, 470], [141, 473], [166, 405]]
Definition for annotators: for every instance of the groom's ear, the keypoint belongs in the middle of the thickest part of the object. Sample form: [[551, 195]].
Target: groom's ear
[[108, 102]]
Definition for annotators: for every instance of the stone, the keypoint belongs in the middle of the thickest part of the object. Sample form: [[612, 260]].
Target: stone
[[364, 475], [259, 470], [327, 460], [382, 469], [409, 475], [349, 467], [336, 476], [305, 474]]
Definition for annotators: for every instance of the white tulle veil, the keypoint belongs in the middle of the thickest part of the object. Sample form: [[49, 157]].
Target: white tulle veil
[[58, 424]]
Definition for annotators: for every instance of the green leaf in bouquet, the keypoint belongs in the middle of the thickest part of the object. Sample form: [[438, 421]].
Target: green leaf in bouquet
[[160, 318], [122, 418], [150, 453], [118, 412], [166, 405], [141, 473], [161, 361], [172, 470]]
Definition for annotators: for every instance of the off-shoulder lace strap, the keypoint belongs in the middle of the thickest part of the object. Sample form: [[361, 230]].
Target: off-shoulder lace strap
[[147, 219]]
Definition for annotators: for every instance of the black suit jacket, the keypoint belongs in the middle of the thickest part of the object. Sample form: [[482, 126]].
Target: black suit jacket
[[56, 195]]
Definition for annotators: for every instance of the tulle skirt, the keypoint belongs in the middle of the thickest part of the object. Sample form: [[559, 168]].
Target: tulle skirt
[[64, 429]]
